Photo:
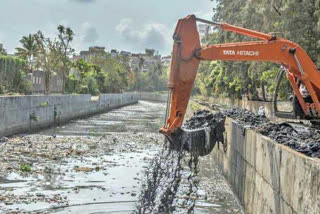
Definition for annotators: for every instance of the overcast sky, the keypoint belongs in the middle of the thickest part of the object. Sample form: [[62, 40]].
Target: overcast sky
[[131, 25]]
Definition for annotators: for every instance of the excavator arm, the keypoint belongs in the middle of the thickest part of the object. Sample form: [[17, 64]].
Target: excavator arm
[[187, 54]]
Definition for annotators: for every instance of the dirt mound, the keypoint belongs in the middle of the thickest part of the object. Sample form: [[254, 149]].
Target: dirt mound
[[245, 117], [306, 142], [204, 118]]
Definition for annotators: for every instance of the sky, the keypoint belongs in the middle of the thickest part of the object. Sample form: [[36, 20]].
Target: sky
[[130, 25]]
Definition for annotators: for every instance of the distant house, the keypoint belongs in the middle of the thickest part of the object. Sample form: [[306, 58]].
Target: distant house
[[125, 53], [114, 53], [166, 61], [150, 52], [92, 53], [38, 80], [144, 61], [75, 58]]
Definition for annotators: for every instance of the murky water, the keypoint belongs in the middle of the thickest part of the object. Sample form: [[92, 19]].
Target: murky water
[[94, 165]]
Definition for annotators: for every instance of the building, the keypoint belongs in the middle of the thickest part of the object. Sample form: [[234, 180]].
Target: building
[[137, 61], [92, 53], [75, 57], [144, 61], [204, 31], [150, 52], [125, 53], [38, 80], [114, 53], [166, 61]]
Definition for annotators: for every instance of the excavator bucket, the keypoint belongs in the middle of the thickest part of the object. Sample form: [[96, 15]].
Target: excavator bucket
[[183, 72], [199, 142]]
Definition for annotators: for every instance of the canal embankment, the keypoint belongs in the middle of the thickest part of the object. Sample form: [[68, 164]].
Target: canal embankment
[[266, 176]]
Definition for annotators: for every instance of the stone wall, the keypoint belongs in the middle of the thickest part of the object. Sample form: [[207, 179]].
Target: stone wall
[[26, 113], [266, 176]]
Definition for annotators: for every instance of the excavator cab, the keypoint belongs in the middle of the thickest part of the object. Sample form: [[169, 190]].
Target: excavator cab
[[284, 105]]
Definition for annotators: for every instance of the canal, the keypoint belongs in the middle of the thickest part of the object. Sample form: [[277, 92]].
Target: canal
[[95, 165]]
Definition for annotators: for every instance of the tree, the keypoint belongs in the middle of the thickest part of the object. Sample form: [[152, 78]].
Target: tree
[[12, 76], [298, 21], [110, 76], [2, 50], [65, 38], [154, 79], [28, 51], [49, 58], [117, 78]]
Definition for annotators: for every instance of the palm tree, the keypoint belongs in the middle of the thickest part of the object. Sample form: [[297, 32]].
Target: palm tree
[[65, 37], [28, 51]]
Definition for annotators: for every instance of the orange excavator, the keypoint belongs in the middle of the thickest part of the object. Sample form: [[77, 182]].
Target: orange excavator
[[188, 53]]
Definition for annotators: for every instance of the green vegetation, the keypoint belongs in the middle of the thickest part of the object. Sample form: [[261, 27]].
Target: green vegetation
[[110, 76], [155, 79], [2, 50], [12, 76], [98, 74], [105, 74], [298, 21], [194, 106], [24, 167], [28, 51], [44, 104], [34, 117]]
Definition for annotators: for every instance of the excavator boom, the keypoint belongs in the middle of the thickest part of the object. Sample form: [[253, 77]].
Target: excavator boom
[[187, 54]]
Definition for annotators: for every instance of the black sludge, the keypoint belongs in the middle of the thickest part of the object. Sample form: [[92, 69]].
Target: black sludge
[[297, 136], [166, 171], [199, 142], [200, 134]]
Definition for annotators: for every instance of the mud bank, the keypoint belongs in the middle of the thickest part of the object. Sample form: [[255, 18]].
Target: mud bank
[[305, 140], [26, 113]]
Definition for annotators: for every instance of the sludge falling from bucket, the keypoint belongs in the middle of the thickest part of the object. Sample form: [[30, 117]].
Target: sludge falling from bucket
[[165, 173]]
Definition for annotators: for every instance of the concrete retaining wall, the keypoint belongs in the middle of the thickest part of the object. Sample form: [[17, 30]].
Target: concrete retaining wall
[[150, 96], [268, 177], [26, 113]]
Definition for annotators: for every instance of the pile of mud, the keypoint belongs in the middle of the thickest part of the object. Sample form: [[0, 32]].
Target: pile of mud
[[204, 118], [162, 192], [305, 141], [245, 117]]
